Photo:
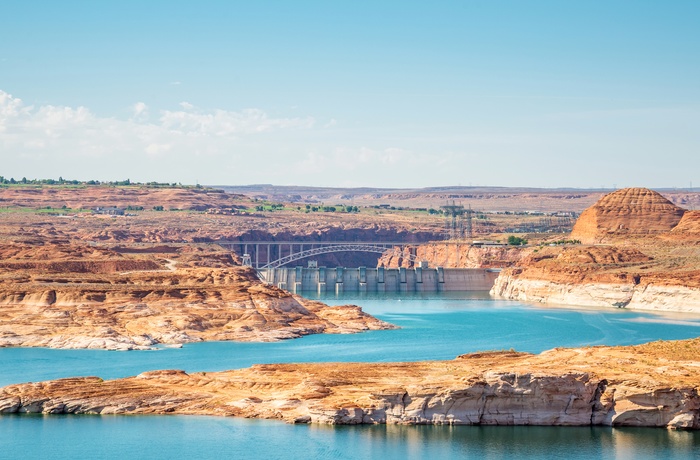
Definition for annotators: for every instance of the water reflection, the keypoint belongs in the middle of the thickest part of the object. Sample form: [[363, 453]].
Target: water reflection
[[118, 437]]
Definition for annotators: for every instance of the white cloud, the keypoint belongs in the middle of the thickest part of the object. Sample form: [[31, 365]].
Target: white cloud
[[11, 109], [140, 110], [363, 161], [217, 146], [226, 123], [78, 132], [158, 149], [150, 144]]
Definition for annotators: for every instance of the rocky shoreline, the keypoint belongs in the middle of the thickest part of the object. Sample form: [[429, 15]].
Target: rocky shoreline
[[661, 298], [650, 385], [115, 303], [136, 325]]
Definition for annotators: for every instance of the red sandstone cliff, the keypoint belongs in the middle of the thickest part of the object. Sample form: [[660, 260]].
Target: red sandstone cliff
[[627, 212], [453, 255], [651, 261]]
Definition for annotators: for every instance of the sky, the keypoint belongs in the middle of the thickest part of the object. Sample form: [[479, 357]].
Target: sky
[[522, 93]]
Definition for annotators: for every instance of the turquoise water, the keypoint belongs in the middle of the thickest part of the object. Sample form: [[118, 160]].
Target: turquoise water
[[432, 327], [162, 437]]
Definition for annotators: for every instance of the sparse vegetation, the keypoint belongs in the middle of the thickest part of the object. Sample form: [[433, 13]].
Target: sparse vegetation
[[516, 240], [4, 181], [563, 241]]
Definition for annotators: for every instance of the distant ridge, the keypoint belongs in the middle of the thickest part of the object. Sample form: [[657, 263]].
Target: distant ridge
[[484, 198]]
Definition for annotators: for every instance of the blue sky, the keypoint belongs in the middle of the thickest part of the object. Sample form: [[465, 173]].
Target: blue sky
[[362, 93]]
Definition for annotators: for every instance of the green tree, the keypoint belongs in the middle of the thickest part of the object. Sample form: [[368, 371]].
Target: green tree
[[516, 240]]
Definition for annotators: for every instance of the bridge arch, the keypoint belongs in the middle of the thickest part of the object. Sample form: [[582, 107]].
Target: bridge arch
[[251, 251], [350, 247]]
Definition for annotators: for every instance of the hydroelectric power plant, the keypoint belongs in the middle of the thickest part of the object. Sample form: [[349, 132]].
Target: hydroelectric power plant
[[279, 263], [364, 279]]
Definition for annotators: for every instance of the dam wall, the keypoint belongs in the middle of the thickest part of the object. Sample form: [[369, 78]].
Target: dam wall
[[363, 279]]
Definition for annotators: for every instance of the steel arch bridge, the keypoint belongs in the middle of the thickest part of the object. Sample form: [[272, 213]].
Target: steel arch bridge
[[333, 248], [316, 248]]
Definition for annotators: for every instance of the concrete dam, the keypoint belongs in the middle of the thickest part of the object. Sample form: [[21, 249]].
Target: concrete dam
[[363, 279]]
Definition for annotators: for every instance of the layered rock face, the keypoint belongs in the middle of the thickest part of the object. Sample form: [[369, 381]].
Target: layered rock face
[[688, 227], [630, 211], [601, 277], [654, 385], [595, 294], [652, 261], [71, 296], [453, 255]]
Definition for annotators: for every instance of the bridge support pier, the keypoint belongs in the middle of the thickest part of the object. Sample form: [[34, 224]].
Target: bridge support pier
[[440, 279], [298, 279], [363, 279], [321, 280], [339, 279]]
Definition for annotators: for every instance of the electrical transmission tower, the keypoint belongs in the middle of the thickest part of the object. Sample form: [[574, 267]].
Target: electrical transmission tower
[[458, 221]]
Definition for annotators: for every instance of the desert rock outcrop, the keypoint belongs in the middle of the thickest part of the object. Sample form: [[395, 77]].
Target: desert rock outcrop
[[625, 212], [651, 260], [453, 255], [688, 227], [602, 276], [653, 385], [72, 296]]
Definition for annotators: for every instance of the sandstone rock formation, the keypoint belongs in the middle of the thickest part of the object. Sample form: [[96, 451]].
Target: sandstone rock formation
[[73, 296], [651, 261], [625, 212], [453, 255], [688, 227], [603, 276], [654, 385]]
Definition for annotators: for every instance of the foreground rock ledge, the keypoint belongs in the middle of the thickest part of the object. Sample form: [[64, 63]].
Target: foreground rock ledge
[[651, 385]]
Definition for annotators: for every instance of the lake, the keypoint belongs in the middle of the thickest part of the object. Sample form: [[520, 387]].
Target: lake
[[433, 326]]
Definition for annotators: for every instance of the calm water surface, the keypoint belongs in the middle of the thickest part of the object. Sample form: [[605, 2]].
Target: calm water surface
[[432, 327], [162, 437]]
